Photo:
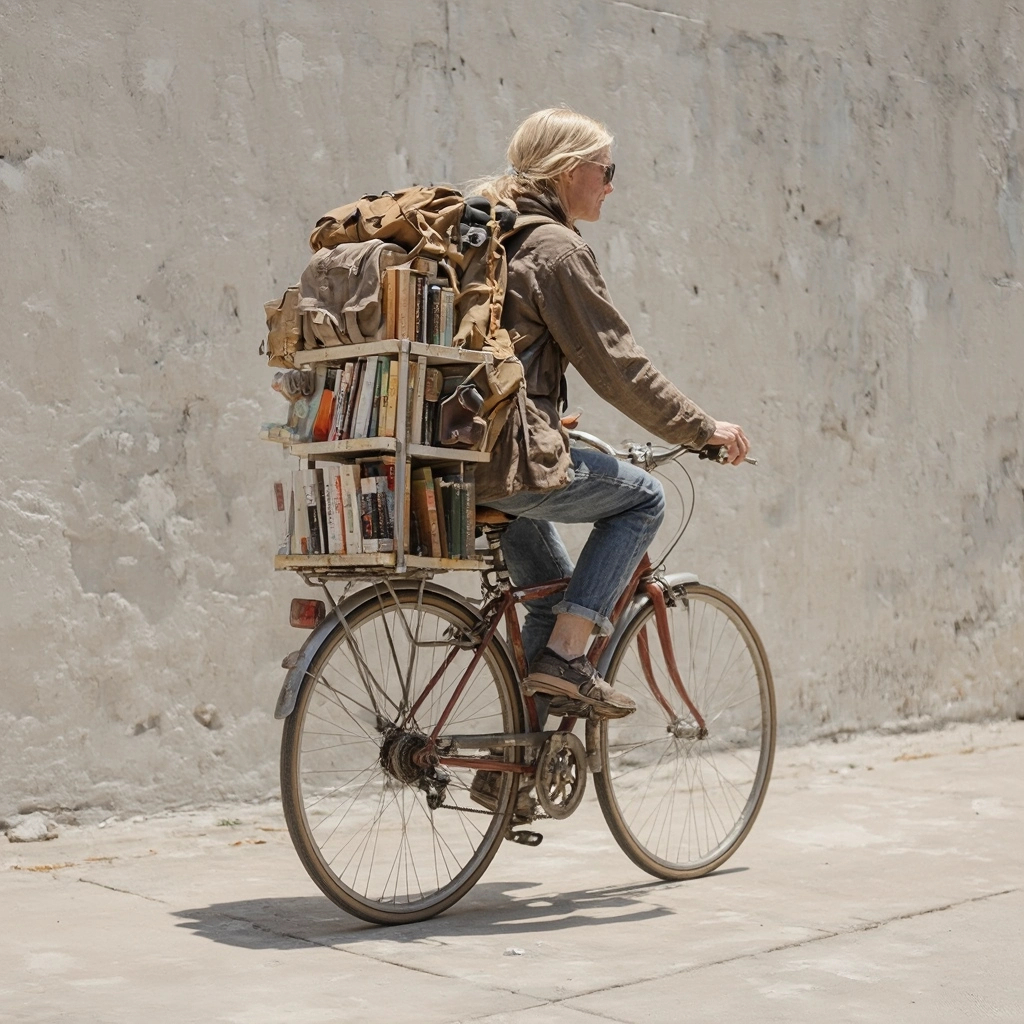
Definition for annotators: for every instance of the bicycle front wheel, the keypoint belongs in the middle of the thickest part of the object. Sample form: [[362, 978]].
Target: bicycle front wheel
[[679, 799], [384, 833]]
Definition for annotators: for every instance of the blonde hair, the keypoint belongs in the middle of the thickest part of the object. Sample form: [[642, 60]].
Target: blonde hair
[[545, 146]]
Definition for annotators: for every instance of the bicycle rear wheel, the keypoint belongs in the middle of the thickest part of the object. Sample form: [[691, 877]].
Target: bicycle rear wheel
[[383, 836], [680, 801]]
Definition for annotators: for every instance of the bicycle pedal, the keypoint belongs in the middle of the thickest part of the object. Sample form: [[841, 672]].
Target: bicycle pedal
[[524, 837]]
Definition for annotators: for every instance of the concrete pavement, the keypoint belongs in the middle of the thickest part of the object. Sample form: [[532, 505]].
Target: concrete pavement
[[883, 881]]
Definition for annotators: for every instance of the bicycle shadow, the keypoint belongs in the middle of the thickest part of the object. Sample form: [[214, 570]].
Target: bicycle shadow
[[492, 908]]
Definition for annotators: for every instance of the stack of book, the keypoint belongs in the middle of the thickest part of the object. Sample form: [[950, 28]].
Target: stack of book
[[345, 508], [418, 304], [443, 515]]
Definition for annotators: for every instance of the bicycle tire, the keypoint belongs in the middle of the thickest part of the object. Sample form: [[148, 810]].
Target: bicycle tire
[[680, 804], [367, 838]]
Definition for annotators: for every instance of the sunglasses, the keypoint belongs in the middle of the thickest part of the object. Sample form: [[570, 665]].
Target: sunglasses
[[609, 170]]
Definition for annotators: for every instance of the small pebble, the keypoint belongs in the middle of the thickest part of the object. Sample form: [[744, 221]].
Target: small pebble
[[514, 951]]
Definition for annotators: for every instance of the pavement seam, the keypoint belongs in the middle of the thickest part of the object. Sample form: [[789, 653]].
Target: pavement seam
[[869, 926], [126, 892]]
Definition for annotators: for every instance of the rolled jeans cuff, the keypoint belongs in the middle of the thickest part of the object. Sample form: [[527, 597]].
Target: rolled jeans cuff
[[603, 624]]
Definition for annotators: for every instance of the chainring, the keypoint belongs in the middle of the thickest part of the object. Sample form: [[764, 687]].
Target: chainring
[[561, 774]]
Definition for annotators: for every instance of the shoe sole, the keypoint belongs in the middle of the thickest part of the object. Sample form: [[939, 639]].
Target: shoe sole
[[552, 686]]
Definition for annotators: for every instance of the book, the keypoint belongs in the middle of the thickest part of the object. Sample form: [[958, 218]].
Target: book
[[415, 418], [373, 425], [368, 514], [385, 513], [389, 465], [431, 396], [443, 511], [434, 314], [447, 316], [325, 410], [334, 509], [425, 505], [393, 399], [341, 401], [352, 399], [351, 508], [400, 301], [384, 404], [312, 485], [361, 418]]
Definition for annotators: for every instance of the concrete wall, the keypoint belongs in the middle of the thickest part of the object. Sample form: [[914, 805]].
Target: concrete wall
[[817, 231]]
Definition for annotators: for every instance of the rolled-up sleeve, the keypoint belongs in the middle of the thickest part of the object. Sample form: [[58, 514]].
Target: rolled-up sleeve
[[593, 336]]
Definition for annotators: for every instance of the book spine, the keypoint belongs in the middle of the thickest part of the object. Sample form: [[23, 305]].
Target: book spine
[[384, 405], [352, 401], [368, 514], [443, 516], [393, 399], [403, 303], [332, 508], [373, 425], [422, 297], [416, 414], [325, 410], [385, 514], [447, 316], [352, 512], [434, 315], [340, 403], [390, 287], [361, 422], [423, 479]]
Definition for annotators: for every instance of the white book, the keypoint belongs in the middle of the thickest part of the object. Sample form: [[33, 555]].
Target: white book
[[334, 508], [350, 508], [300, 520], [312, 482], [416, 415], [364, 409]]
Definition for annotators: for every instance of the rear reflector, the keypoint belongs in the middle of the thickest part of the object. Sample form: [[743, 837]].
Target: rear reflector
[[305, 614]]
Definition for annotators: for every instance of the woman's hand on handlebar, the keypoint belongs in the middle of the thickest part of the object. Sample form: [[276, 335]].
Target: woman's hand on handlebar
[[734, 440]]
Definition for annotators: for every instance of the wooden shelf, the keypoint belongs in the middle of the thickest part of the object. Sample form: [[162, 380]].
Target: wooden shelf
[[340, 450], [436, 354], [374, 560]]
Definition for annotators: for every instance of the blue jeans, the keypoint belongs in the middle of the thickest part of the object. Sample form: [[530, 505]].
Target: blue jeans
[[626, 506]]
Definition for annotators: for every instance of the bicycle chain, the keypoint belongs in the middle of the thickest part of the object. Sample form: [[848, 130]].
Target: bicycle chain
[[481, 810]]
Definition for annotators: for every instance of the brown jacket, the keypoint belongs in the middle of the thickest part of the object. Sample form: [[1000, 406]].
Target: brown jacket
[[557, 311]]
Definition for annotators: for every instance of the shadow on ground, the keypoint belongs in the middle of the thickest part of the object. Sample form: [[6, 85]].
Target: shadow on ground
[[491, 908]]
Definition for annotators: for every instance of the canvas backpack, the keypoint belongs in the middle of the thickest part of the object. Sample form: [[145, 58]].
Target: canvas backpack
[[338, 299]]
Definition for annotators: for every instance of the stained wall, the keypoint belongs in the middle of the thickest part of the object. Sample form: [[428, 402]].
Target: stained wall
[[816, 231]]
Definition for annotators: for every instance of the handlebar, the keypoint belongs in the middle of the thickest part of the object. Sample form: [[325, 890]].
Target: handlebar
[[647, 456]]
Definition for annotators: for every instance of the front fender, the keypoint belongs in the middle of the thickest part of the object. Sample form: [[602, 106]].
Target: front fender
[[673, 580], [300, 661]]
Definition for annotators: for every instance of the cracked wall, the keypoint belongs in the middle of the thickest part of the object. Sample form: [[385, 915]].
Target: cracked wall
[[816, 231]]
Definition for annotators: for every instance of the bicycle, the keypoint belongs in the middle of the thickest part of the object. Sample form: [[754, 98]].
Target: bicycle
[[407, 689]]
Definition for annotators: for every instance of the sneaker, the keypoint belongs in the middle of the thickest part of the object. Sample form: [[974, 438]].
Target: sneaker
[[486, 786], [575, 687]]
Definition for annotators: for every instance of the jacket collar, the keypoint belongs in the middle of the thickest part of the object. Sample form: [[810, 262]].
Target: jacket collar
[[544, 204]]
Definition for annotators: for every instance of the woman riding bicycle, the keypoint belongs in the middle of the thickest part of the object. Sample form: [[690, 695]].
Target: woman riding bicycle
[[558, 312]]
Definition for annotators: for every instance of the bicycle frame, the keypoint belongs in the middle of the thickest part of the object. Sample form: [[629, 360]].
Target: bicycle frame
[[502, 608]]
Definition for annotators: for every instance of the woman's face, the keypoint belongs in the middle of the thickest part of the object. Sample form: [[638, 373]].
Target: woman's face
[[584, 188]]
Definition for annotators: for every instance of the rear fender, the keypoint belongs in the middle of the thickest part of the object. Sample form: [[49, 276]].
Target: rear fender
[[300, 661], [674, 580]]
